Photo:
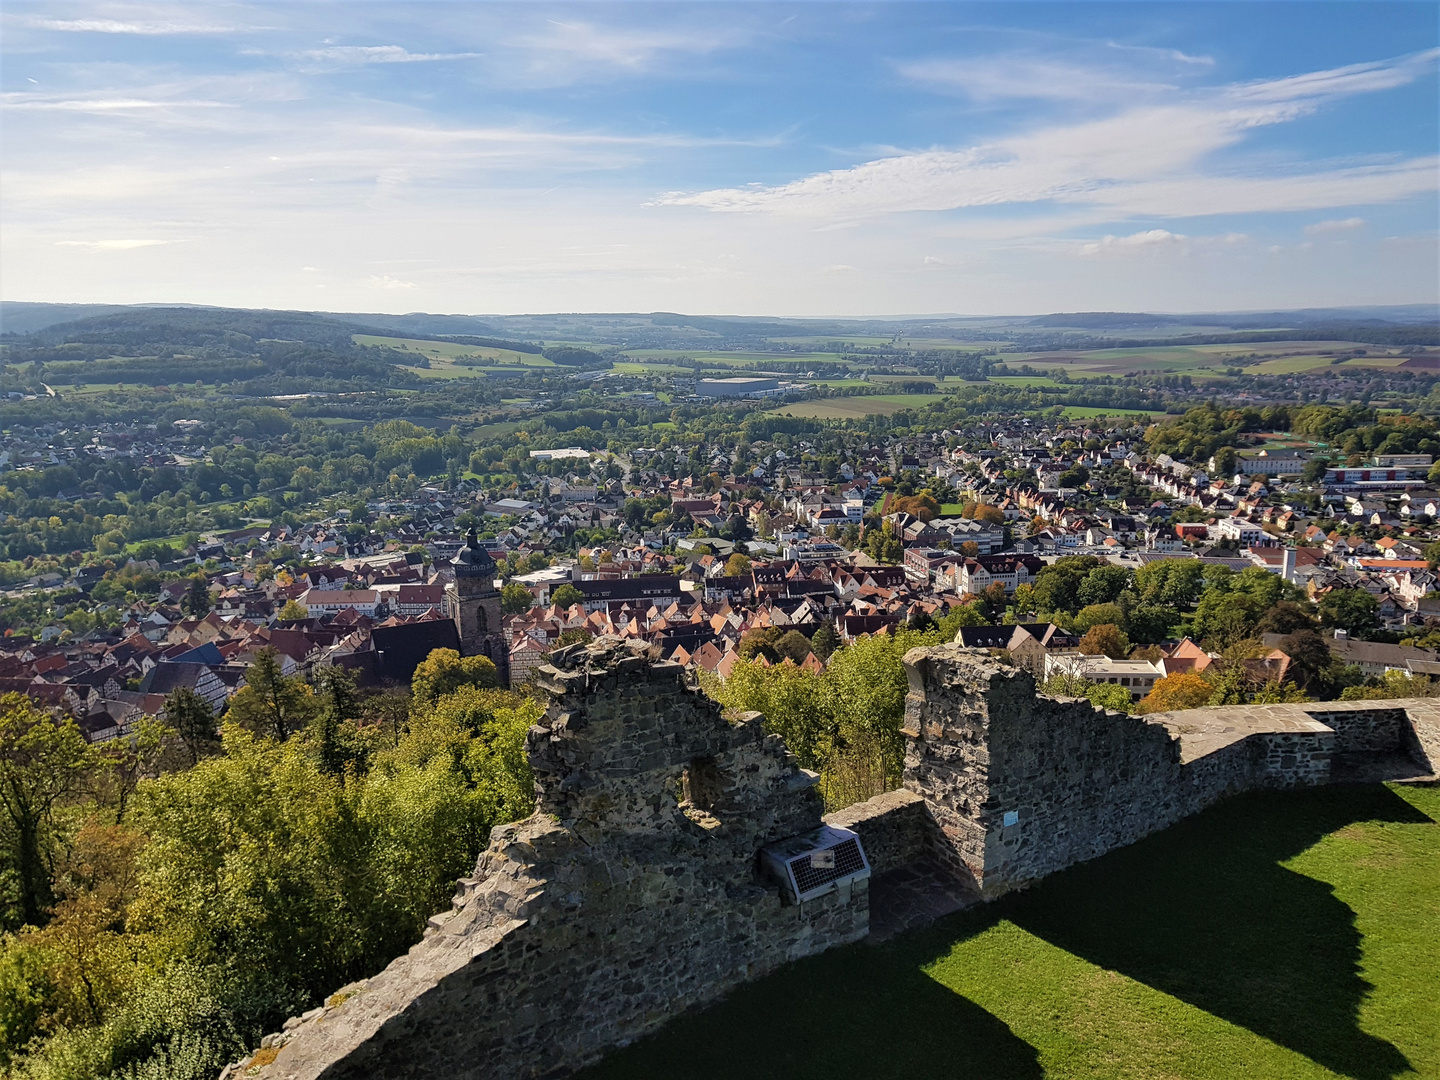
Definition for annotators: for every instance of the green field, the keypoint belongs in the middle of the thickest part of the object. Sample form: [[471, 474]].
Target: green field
[[1282, 935], [441, 354], [1200, 361], [850, 408]]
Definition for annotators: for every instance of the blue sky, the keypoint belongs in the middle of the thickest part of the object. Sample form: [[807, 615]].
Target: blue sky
[[788, 159]]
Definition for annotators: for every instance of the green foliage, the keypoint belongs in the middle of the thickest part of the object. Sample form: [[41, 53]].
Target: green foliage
[[1101, 695], [193, 720], [567, 596], [260, 879], [270, 703], [445, 671], [43, 763], [516, 599], [843, 722], [1354, 610]]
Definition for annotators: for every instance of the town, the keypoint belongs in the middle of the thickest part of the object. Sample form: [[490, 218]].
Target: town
[[1046, 540]]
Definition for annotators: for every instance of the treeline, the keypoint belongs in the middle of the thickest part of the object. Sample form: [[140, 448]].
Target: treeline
[[171, 897]]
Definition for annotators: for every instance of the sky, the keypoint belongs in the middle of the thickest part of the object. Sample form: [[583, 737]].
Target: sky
[[760, 158]]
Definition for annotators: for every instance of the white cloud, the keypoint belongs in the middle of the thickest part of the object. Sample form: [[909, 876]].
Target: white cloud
[[1345, 225], [385, 281], [103, 104], [1149, 240], [112, 245], [840, 268], [380, 54], [1012, 77], [1147, 160], [117, 26]]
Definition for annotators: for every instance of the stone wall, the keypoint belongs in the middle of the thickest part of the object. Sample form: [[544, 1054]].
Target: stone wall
[[1370, 727], [1022, 785], [631, 894], [894, 828]]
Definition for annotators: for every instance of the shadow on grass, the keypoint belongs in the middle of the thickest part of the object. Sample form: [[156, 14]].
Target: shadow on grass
[[1203, 911], [850, 1013]]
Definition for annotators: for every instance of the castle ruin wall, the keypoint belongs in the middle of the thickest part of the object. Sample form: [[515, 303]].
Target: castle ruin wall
[[632, 893]]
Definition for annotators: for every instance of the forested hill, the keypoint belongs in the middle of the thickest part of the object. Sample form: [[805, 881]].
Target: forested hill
[[213, 345]]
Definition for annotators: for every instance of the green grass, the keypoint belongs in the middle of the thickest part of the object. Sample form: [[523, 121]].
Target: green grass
[[1277, 935], [849, 408], [951, 509]]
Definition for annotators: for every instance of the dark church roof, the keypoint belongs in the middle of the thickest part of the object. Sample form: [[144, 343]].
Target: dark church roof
[[399, 650], [472, 560]]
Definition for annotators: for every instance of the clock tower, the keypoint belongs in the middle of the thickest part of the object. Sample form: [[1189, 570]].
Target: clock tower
[[475, 606]]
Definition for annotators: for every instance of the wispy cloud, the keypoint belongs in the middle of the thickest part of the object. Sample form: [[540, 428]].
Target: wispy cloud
[[1145, 160], [380, 54], [100, 104], [1344, 225], [112, 245], [385, 281], [122, 26]]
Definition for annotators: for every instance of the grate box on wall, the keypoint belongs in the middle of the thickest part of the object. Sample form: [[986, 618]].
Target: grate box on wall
[[814, 863]]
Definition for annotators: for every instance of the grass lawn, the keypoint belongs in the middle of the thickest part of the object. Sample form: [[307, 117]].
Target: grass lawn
[[1277, 935], [951, 509], [849, 408]]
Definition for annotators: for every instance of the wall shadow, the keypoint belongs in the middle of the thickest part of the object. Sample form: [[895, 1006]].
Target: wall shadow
[[849, 1014], [1203, 911]]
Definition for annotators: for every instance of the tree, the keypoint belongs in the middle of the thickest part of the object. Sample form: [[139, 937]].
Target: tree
[[43, 762], [737, 565], [444, 671], [270, 703], [1105, 639], [333, 729], [1310, 659], [1226, 461], [1314, 470], [193, 720], [1179, 691], [567, 596], [923, 506], [515, 599], [825, 641], [1353, 610], [196, 602], [1286, 617], [1103, 585], [293, 611], [1079, 476]]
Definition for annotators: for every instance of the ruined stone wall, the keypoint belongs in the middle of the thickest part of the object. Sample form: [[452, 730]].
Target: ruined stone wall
[[1022, 785], [631, 894], [1374, 728], [894, 828]]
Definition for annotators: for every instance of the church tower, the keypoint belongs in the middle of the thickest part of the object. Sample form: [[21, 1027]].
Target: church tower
[[475, 606]]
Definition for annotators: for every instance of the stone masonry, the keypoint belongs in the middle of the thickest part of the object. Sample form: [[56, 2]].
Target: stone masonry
[[633, 892]]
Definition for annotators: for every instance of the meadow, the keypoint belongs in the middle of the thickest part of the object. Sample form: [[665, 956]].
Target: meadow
[[850, 408], [1289, 935]]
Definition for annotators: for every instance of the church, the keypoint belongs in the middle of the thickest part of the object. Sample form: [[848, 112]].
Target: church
[[475, 606]]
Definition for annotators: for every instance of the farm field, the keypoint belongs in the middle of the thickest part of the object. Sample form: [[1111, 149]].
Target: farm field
[[1275, 357], [1288, 935], [451, 350], [850, 408], [1022, 380]]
